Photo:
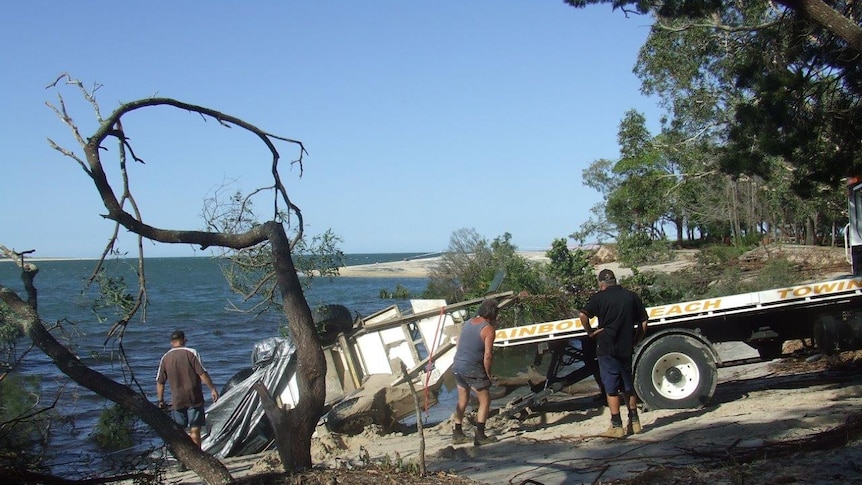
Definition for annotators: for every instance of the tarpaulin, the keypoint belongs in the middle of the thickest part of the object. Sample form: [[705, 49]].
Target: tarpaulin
[[236, 424]]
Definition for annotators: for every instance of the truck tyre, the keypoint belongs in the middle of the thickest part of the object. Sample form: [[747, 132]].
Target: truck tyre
[[332, 320], [675, 372]]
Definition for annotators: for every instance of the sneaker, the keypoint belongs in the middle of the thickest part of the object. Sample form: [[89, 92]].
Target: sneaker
[[459, 438], [634, 426], [614, 432], [484, 440]]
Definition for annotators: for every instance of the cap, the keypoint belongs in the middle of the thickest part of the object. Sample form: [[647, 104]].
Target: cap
[[178, 335], [607, 276]]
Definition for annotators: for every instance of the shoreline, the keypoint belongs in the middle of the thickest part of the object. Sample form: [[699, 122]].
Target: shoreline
[[412, 268]]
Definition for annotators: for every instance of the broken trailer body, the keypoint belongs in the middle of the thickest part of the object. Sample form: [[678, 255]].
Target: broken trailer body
[[365, 382]]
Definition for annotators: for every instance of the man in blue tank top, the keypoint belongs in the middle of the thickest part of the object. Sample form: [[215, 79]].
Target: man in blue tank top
[[472, 369], [619, 311]]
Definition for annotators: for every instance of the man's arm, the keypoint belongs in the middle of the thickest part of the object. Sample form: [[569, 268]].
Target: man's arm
[[160, 393], [205, 378], [488, 336], [641, 333], [585, 322]]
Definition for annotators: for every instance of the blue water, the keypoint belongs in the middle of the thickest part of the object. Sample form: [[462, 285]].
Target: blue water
[[184, 293]]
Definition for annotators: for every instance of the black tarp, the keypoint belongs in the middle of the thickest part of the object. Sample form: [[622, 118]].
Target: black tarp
[[236, 424]]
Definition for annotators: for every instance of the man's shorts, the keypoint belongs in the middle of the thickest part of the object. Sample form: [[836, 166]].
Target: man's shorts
[[474, 380], [190, 417], [616, 374]]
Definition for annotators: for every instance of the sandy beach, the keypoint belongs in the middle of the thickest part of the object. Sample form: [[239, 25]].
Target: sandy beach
[[412, 268], [785, 421]]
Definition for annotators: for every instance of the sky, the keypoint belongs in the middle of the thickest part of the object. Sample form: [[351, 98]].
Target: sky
[[420, 118]]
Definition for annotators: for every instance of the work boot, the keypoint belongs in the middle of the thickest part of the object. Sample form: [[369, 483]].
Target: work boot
[[459, 438], [634, 426], [484, 440], [614, 432]]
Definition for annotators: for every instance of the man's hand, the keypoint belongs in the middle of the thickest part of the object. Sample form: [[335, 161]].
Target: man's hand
[[214, 394]]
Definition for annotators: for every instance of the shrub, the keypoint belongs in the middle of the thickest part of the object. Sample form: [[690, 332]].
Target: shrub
[[22, 425], [115, 429], [637, 248]]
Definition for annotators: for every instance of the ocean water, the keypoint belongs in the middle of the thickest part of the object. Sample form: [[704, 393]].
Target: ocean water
[[184, 293]]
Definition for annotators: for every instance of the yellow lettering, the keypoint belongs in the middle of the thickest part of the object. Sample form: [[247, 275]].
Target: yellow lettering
[[525, 331], [712, 305], [802, 291], [546, 328], [825, 288], [674, 309], [565, 325], [656, 312]]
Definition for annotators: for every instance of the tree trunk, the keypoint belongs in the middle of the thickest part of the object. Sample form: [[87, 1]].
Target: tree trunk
[[311, 364], [810, 231], [178, 442], [821, 13]]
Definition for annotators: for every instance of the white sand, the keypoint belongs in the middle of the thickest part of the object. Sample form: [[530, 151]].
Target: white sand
[[754, 405]]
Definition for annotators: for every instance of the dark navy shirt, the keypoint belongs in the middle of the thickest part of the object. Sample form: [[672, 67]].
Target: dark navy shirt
[[619, 310]]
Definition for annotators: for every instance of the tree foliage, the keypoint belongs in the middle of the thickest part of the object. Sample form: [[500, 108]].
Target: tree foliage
[[768, 80], [758, 105], [553, 290], [24, 422]]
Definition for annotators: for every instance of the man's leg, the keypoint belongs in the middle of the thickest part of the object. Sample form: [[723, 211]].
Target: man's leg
[[610, 371], [614, 403], [195, 434], [458, 436], [461, 407], [482, 416], [634, 424], [197, 420]]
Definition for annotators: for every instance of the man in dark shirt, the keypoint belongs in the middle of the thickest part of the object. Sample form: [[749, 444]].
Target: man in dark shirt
[[618, 311], [182, 369]]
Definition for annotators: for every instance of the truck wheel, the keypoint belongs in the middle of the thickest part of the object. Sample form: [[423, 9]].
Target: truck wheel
[[331, 321], [675, 372]]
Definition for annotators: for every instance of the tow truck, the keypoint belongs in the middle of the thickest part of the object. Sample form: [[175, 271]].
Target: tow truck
[[675, 365]]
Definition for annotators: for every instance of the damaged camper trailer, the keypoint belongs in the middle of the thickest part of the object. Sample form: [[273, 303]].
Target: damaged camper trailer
[[364, 379]]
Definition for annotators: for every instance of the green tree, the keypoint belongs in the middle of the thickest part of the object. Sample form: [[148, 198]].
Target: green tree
[[797, 72], [471, 263]]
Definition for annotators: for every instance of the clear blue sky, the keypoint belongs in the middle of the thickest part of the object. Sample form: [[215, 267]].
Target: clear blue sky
[[420, 118]]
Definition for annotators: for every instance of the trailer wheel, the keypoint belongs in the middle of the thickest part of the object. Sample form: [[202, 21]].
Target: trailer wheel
[[675, 372], [331, 321]]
